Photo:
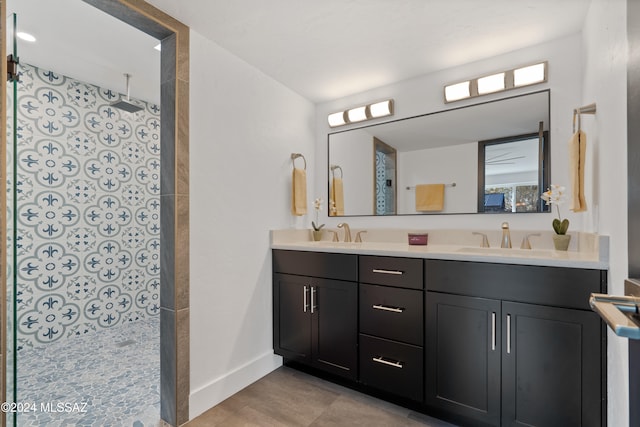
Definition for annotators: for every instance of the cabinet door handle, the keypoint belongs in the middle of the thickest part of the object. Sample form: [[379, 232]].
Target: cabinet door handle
[[385, 308], [394, 363], [394, 272], [493, 331], [508, 334], [304, 300], [313, 292]]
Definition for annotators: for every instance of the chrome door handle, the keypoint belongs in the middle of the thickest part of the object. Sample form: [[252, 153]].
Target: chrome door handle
[[304, 300], [385, 308], [394, 272], [493, 331], [508, 334], [395, 364]]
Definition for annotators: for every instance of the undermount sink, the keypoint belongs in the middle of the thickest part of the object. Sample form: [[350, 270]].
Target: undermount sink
[[546, 253]]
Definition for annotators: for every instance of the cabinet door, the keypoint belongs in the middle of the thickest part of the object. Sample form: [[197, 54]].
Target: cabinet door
[[551, 366], [334, 305], [291, 317], [462, 371]]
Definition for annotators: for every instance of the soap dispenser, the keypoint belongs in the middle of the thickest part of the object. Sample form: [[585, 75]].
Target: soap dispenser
[[506, 236]]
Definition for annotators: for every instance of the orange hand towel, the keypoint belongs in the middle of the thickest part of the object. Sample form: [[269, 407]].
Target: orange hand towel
[[337, 196], [299, 192], [577, 152], [429, 197]]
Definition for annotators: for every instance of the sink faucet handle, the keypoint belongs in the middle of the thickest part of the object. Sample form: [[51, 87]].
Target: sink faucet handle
[[335, 236], [526, 244], [485, 240], [359, 237]]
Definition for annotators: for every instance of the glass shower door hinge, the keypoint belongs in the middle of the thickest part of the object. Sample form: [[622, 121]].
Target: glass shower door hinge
[[12, 69]]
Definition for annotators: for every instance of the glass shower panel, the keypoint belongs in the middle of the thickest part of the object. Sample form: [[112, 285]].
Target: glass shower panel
[[8, 270]]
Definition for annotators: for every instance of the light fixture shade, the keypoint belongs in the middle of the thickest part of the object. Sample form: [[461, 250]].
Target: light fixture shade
[[336, 119], [357, 114], [529, 75], [381, 109], [457, 91], [490, 84]]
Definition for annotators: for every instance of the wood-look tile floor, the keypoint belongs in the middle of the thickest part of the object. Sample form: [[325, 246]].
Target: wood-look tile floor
[[287, 397]]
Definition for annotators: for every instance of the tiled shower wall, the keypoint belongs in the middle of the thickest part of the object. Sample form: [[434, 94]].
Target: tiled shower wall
[[88, 209]]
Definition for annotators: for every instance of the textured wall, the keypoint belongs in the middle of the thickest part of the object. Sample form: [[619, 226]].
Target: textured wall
[[88, 209]]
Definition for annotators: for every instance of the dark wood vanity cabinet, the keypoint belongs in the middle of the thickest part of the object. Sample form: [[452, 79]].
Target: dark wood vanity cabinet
[[315, 318], [514, 345], [391, 319]]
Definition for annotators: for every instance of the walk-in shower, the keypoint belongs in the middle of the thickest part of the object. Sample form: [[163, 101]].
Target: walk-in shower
[[83, 261]]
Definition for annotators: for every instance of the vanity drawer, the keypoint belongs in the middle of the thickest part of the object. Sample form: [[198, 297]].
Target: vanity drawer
[[391, 271], [316, 264], [391, 366], [392, 313]]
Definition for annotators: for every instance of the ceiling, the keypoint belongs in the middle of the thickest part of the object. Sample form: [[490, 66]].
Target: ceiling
[[322, 50]]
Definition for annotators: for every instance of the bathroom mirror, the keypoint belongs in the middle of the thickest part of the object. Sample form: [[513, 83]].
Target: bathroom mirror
[[444, 148]]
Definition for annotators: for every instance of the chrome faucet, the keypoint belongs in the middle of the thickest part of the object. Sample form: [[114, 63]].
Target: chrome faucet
[[506, 236], [347, 231]]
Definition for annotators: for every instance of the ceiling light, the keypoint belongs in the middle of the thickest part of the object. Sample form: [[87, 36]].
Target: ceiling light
[[357, 114], [457, 91], [529, 75], [490, 84], [26, 37], [336, 119], [381, 109]]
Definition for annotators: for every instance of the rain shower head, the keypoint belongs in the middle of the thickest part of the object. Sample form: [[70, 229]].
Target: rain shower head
[[126, 105]]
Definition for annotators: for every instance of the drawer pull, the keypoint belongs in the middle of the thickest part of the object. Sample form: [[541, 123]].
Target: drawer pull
[[394, 363], [385, 308], [394, 272], [304, 300]]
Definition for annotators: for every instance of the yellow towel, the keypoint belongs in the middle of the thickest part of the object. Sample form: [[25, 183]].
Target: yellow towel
[[577, 152], [337, 196], [429, 197], [299, 192]]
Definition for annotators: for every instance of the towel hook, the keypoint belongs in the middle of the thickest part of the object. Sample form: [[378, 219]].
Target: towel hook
[[333, 170], [294, 156], [587, 109]]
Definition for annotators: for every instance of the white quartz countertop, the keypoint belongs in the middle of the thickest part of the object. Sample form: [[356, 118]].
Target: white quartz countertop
[[589, 256]]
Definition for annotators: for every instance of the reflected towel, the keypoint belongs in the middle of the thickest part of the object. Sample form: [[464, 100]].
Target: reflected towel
[[299, 192], [337, 197], [429, 197], [577, 152]]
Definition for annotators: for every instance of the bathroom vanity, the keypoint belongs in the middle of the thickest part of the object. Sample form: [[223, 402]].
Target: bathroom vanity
[[473, 339]]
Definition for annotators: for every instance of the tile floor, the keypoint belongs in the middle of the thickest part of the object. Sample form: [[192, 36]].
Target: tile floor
[[287, 397], [110, 378]]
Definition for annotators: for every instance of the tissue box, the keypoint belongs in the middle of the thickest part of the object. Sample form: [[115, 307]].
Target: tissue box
[[418, 238]]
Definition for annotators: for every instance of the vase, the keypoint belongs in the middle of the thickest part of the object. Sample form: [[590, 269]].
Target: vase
[[317, 235], [561, 241]]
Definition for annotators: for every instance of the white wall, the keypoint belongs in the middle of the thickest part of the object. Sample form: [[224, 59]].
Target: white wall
[[605, 82], [243, 128], [424, 95]]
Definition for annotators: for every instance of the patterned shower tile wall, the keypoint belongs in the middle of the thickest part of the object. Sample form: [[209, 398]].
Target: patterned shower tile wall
[[88, 209]]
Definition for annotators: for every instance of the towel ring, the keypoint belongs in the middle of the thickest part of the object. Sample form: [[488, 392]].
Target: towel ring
[[333, 170], [294, 156]]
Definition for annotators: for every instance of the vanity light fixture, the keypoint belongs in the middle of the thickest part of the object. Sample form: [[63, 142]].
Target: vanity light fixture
[[497, 82], [362, 113]]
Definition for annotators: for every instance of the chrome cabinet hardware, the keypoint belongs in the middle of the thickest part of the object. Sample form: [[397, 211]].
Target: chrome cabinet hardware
[[313, 292], [304, 300], [493, 331], [386, 308], [394, 363], [508, 334], [394, 272]]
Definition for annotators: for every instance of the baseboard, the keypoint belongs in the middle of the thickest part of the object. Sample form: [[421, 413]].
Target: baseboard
[[221, 388]]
